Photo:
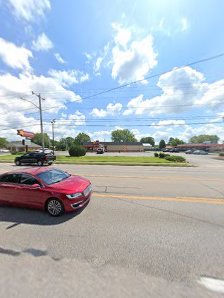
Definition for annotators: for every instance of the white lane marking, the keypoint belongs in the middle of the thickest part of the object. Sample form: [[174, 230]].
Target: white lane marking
[[212, 284]]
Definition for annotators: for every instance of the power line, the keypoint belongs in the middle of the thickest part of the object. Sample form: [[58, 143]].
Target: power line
[[155, 75]]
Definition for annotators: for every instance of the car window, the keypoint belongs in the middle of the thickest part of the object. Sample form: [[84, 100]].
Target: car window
[[28, 179], [26, 155], [53, 176], [10, 178]]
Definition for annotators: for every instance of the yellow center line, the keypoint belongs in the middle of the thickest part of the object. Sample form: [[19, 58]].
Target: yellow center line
[[166, 199]]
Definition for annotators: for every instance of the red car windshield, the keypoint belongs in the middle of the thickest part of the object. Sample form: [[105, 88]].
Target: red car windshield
[[53, 176]]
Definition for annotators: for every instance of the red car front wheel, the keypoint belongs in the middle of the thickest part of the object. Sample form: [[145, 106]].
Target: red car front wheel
[[54, 207]]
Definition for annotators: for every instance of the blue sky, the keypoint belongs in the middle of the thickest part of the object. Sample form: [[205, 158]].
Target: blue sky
[[70, 51]]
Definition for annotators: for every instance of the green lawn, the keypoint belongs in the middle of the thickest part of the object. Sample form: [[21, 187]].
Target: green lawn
[[107, 160]]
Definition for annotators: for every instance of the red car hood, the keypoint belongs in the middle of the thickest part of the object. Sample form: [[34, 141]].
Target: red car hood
[[71, 185]]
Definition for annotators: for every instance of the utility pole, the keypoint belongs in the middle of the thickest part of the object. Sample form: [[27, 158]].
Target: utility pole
[[41, 119], [53, 122]]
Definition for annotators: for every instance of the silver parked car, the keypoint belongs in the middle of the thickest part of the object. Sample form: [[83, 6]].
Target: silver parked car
[[200, 152]]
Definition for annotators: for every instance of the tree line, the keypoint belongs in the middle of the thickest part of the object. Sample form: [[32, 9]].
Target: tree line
[[117, 136]]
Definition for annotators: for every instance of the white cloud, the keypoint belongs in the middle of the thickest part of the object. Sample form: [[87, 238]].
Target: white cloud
[[77, 118], [132, 59], [111, 109], [59, 58], [129, 58], [123, 35], [100, 135], [213, 96], [165, 123], [12, 88], [180, 87], [43, 43], [88, 56], [68, 78], [29, 10], [14, 56], [184, 24], [98, 63]]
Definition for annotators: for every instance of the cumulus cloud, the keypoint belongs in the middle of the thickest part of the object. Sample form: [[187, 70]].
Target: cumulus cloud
[[29, 10], [132, 59], [77, 118], [123, 35], [59, 58], [68, 78], [13, 87], [213, 96], [129, 57], [100, 135], [43, 43], [111, 109], [181, 88], [165, 123], [14, 56]]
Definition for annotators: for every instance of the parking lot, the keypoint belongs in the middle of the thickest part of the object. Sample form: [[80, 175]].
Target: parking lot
[[148, 231]]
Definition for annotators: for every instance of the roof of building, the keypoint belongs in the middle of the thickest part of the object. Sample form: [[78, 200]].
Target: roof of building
[[19, 144], [114, 143]]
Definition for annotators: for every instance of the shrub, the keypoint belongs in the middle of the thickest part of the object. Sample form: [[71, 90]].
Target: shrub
[[156, 154], [77, 150], [175, 158], [221, 154], [161, 155]]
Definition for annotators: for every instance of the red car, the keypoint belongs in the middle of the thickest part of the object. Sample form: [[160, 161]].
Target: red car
[[48, 189]]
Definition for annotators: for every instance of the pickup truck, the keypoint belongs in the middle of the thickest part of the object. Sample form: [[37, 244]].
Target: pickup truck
[[38, 158]]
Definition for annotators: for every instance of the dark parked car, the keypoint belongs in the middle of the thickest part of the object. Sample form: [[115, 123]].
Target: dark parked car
[[38, 158], [174, 150], [51, 189]]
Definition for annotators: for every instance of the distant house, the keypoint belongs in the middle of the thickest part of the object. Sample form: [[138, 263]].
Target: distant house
[[17, 146], [115, 147]]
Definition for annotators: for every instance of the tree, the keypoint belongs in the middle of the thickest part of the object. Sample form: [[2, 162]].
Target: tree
[[38, 139], [148, 140], [162, 144], [3, 142], [122, 135], [175, 142], [204, 138], [82, 138], [69, 141], [64, 143]]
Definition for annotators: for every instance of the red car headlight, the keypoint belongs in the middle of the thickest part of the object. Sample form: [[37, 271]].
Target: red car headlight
[[74, 195]]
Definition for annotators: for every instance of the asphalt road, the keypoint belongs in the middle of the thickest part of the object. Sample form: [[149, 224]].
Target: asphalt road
[[147, 232]]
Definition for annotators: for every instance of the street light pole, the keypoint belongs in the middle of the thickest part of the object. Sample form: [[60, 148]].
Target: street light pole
[[53, 122], [41, 118]]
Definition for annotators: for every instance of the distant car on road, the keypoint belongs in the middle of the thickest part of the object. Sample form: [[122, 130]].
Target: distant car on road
[[51, 189], [200, 152], [4, 151], [38, 158], [100, 151], [46, 150]]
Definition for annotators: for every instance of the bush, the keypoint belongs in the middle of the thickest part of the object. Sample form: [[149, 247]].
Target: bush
[[156, 154], [161, 155], [77, 150], [221, 154], [175, 158]]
